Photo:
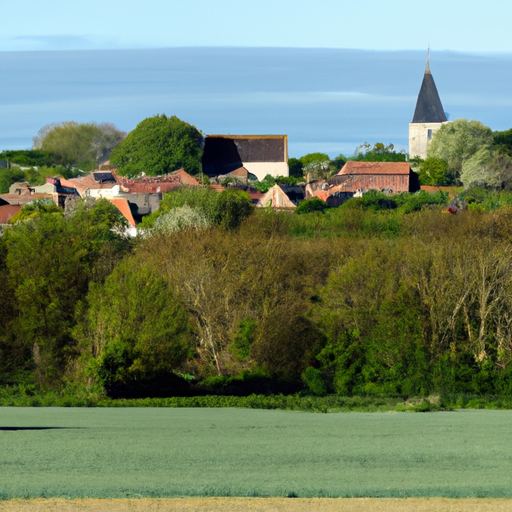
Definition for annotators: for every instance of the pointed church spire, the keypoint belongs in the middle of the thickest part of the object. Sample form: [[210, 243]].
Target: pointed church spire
[[428, 107]]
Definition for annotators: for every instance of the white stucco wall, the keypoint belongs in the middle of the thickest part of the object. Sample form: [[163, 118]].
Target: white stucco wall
[[104, 192], [261, 169], [418, 138]]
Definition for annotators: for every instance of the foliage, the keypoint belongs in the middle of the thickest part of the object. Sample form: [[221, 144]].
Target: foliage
[[295, 167], [35, 209], [240, 347], [312, 378], [487, 168], [176, 219], [134, 326], [29, 158], [313, 158], [204, 207], [385, 295], [456, 142], [269, 181], [502, 141], [338, 162], [406, 203], [378, 153], [71, 253], [373, 200], [33, 175], [311, 205], [486, 200], [83, 145], [8, 177], [232, 207], [157, 146], [433, 171], [317, 165]]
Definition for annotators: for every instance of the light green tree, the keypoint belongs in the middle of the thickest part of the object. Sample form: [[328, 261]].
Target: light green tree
[[487, 168], [457, 142], [83, 145]]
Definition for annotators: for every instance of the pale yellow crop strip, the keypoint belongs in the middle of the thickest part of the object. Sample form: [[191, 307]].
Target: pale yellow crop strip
[[259, 505]]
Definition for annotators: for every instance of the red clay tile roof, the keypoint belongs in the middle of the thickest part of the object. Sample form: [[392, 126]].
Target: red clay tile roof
[[157, 184], [8, 211], [148, 187], [321, 194], [122, 205], [353, 167]]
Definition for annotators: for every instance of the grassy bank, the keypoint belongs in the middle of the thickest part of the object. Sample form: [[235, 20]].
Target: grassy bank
[[23, 397]]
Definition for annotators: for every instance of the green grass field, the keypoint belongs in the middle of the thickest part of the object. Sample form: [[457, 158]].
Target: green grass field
[[158, 452]]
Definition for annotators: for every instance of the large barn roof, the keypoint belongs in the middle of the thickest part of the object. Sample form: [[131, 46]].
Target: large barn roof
[[355, 167], [226, 153]]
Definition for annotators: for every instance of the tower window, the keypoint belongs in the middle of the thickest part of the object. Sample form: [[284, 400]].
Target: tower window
[[429, 135]]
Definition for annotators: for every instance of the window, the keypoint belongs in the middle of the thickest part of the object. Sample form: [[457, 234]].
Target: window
[[430, 135]]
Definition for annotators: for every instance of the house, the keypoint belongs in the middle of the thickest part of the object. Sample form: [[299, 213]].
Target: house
[[276, 199], [59, 192], [253, 155], [21, 193], [391, 177], [96, 180], [429, 116]]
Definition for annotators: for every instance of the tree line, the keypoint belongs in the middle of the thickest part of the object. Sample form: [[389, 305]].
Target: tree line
[[368, 298]]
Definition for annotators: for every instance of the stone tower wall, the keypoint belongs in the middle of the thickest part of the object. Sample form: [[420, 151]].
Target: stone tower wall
[[419, 138]]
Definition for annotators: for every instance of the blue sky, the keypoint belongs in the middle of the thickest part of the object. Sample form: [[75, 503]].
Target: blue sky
[[331, 74], [458, 25]]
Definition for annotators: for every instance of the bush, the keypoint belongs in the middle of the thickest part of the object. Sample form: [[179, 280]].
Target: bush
[[311, 205]]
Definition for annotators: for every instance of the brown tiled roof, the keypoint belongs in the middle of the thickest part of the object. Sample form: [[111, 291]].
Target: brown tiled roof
[[6, 212], [185, 177], [147, 187], [21, 199], [353, 167], [157, 184]]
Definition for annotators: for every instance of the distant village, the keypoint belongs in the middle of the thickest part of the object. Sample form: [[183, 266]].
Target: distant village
[[239, 161]]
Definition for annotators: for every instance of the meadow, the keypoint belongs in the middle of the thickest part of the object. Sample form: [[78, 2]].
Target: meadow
[[200, 453]]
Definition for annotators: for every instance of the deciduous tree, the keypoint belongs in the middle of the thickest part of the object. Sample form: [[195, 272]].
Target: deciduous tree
[[159, 145]]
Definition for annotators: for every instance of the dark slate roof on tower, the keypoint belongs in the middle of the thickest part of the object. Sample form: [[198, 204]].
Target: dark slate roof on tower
[[428, 106]]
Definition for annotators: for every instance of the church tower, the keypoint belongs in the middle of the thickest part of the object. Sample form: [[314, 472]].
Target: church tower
[[428, 116]]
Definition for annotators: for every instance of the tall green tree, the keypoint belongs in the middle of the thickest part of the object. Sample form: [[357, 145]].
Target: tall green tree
[[159, 145], [134, 326], [50, 262]]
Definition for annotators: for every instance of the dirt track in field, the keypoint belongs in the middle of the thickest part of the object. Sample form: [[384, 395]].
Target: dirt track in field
[[258, 505]]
